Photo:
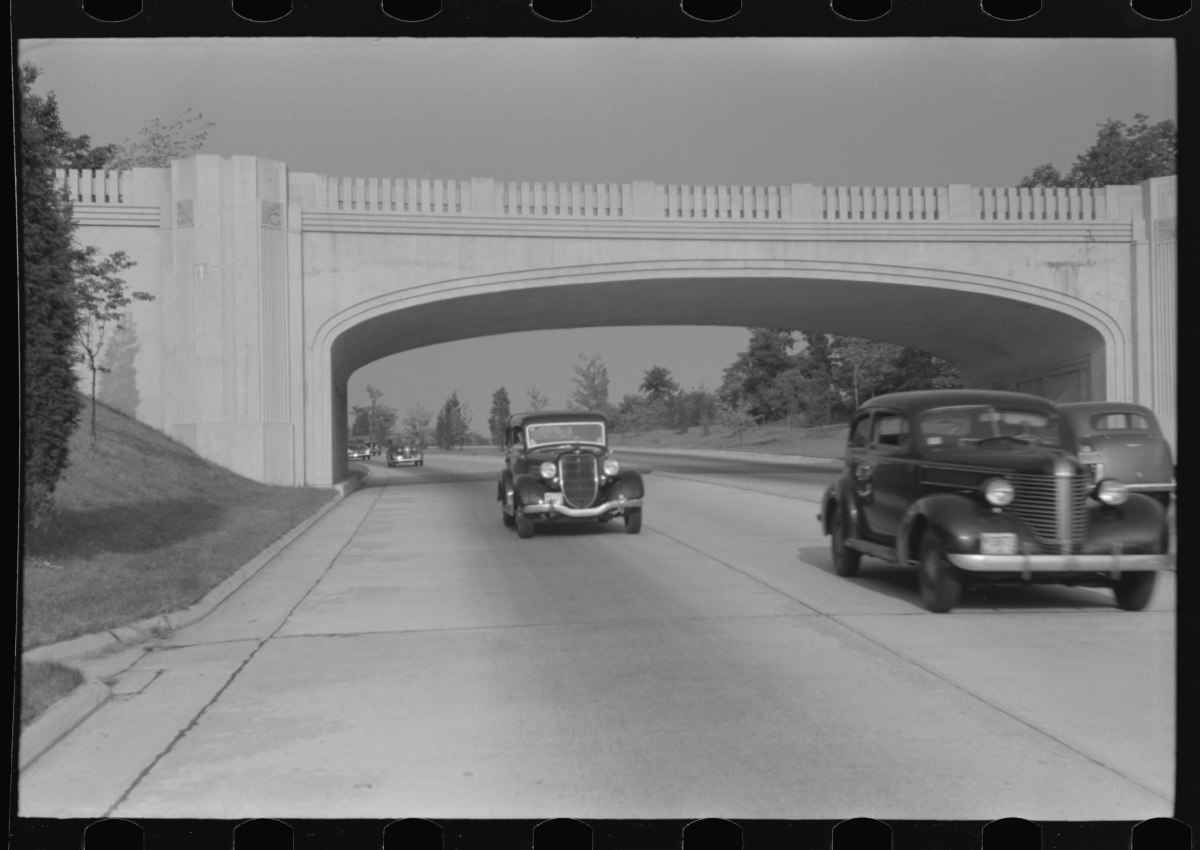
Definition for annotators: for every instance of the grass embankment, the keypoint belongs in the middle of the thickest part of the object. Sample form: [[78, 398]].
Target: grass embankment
[[144, 527], [826, 441]]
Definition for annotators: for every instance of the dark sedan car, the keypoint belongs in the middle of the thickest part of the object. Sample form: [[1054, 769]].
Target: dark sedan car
[[405, 456], [977, 486], [1120, 440], [557, 466]]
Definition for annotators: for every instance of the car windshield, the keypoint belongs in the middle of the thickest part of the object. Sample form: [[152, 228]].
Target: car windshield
[[959, 426], [564, 432]]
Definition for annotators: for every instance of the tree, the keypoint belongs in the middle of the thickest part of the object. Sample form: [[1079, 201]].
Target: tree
[[102, 300], [735, 419], [498, 419], [638, 413], [157, 143], [751, 379], [49, 400], [537, 401], [416, 431], [693, 408], [1122, 155], [374, 420], [591, 384], [658, 385], [453, 423]]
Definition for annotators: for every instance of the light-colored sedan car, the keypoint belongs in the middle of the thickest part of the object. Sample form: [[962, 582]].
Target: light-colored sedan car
[[1123, 441], [358, 453]]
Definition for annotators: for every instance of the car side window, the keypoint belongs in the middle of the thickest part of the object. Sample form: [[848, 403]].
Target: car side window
[[891, 433], [859, 431]]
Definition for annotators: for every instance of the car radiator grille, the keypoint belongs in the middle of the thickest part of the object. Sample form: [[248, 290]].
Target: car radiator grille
[[1054, 508], [580, 483]]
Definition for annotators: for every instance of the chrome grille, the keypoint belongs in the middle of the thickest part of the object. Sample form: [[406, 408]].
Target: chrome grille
[[1037, 504], [580, 481]]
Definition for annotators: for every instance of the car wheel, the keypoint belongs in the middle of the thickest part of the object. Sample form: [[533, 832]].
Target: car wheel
[[509, 519], [633, 520], [940, 587], [1133, 590], [845, 559], [524, 525]]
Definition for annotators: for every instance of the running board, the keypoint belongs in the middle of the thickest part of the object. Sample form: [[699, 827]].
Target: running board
[[875, 550]]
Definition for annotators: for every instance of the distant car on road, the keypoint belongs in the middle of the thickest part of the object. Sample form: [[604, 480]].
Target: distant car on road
[[358, 453], [1120, 440], [557, 466], [978, 486], [405, 456]]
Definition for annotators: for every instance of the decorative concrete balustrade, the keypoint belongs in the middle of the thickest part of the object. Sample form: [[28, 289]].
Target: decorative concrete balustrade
[[645, 199]]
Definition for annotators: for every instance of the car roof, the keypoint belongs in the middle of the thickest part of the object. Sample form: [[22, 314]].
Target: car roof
[[919, 400], [1089, 407], [534, 416]]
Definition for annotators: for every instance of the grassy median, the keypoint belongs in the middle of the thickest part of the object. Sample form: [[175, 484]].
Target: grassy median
[[776, 438], [144, 527]]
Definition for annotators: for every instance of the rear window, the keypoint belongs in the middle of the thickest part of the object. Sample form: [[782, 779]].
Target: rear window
[[1125, 421]]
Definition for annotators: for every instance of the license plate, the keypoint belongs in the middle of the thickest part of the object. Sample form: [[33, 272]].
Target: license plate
[[998, 543], [1090, 457], [553, 498]]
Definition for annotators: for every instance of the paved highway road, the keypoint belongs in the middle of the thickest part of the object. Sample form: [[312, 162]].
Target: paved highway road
[[410, 656]]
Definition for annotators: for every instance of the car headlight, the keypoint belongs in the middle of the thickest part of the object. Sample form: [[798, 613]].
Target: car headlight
[[611, 467], [1110, 491], [998, 492], [548, 469]]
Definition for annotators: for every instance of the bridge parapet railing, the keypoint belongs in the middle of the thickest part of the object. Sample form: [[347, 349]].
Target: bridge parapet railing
[[86, 186], [645, 199]]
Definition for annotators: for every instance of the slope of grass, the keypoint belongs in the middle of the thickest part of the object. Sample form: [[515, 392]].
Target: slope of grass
[[826, 441], [144, 527], [44, 683]]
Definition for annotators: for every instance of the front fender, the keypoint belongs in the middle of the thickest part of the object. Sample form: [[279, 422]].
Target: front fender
[[628, 484], [957, 521], [505, 489], [529, 489], [1138, 527], [839, 496]]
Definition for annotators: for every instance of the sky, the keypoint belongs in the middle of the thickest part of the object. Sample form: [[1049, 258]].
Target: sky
[[861, 112]]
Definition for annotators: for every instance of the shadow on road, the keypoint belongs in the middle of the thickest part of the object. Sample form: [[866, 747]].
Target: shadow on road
[[901, 583]]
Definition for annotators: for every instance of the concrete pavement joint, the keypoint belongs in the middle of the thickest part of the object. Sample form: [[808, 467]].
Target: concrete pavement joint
[[834, 619], [62, 717], [1028, 724], [233, 676]]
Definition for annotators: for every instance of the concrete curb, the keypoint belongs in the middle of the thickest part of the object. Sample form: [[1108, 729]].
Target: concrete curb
[[69, 712], [59, 719]]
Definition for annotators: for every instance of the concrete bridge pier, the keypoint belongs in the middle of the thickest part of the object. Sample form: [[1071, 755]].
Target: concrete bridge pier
[[232, 325]]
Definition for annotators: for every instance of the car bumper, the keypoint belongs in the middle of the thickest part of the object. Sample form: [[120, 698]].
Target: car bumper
[[581, 513], [1029, 564], [405, 461], [1151, 488]]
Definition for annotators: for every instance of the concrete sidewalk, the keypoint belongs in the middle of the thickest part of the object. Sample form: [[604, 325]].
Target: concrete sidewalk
[[102, 655]]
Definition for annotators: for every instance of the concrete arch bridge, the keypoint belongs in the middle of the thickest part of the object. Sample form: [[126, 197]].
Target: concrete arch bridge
[[273, 287]]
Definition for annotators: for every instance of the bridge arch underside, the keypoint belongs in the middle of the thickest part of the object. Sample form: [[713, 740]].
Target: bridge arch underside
[[995, 341]]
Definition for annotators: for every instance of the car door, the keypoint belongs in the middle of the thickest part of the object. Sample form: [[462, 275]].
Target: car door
[[893, 472]]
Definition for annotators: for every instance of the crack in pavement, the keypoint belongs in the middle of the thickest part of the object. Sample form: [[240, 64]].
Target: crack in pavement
[[179, 736]]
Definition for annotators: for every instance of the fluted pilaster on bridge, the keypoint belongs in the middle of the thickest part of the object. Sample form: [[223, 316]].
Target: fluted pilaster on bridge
[[272, 287]]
